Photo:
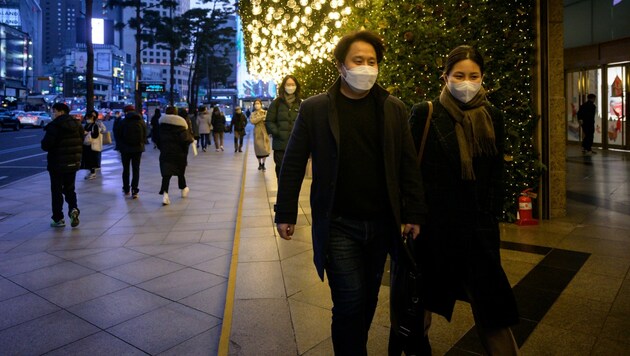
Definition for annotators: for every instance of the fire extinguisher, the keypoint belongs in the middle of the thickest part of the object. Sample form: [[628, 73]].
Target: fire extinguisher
[[524, 214]]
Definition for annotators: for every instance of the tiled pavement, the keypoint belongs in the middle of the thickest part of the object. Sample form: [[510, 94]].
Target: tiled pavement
[[137, 277]]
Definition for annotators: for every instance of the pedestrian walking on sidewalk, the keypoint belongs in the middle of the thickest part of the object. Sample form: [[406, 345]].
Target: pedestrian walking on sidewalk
[[238, 124], [262, 146], [280, 117], [204, 122], [366, 184], [174, 140], [132, 133], [155, 123], [463, 175], [218, 128], [63, 141], [92, 145]]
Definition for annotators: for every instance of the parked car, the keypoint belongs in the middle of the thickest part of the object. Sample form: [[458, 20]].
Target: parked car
[[9, 121], [33, 118]]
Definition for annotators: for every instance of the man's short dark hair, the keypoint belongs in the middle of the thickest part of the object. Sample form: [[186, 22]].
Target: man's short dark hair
[[343, 46], [61, 107], [591, 96]]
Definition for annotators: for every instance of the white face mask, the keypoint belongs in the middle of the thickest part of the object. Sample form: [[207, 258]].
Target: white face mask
[[290, 89], [361, 78], [464, 91], [257, 106]]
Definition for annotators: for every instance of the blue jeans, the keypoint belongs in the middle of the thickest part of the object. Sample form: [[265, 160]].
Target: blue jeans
[[355, 257]]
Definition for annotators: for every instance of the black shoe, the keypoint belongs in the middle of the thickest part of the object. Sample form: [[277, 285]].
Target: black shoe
[[263, 167]]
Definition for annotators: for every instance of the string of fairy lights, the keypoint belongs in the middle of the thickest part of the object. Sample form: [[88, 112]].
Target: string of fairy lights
[[283, 35]]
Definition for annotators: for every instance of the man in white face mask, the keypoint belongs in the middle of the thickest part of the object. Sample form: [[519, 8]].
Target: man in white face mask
[[366, 184]]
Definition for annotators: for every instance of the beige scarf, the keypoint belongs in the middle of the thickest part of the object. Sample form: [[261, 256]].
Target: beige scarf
[[473, 128]]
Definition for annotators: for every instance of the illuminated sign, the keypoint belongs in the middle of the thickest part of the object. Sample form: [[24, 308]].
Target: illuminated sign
[[10, 17], [152, 87], [98, 31]]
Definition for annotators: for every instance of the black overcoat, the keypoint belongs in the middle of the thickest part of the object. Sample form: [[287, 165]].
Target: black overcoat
[[316, 134], [461, 237]]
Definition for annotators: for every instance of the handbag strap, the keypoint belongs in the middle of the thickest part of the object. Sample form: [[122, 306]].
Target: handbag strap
[[426, 132]]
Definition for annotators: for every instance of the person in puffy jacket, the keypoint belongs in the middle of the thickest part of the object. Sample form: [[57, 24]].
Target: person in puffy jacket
[[204, 122], [92, 147], [173, 141], [63, 141], [280, 117], [239, 121], [132, 135]]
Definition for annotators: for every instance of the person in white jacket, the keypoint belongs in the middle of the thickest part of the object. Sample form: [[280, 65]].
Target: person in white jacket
[[204, 122]]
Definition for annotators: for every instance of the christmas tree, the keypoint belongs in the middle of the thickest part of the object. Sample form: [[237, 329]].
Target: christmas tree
[[419, 35]]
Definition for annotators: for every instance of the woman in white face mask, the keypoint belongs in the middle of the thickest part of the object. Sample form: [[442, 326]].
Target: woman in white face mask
[[461, 150], [281, 115], [262, 146]]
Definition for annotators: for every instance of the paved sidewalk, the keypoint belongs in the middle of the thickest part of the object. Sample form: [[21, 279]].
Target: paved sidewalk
[[140, 278], [135, 277]]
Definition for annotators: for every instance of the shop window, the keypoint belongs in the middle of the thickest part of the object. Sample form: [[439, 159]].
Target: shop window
[[616, 110], [578, 85]]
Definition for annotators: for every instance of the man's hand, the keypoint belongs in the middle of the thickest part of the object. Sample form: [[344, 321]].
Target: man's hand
[[286, 230], [414, 229]]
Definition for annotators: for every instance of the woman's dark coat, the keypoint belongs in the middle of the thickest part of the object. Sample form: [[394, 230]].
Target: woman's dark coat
[[91, 159], [316, 134], [173, 142], [279, 121], [462, 230], [218, 122]]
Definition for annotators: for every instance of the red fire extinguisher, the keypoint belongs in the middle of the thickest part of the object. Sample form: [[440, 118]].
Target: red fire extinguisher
[[524, 214]]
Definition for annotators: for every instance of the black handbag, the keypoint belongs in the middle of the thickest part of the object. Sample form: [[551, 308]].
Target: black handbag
[[406, 308]]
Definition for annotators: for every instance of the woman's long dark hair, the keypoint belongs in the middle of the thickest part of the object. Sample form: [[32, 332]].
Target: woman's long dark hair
[[459, 54]]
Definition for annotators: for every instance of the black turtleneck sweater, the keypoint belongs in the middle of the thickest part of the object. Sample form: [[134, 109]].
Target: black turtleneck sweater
[[361, 191]]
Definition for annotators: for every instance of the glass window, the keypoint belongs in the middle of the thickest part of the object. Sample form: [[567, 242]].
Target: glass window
[[616, 110], [578, 85]]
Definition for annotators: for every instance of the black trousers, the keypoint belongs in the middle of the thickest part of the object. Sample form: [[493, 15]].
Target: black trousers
[[166, 181], [132, 158], [62, 185], [589, 131]]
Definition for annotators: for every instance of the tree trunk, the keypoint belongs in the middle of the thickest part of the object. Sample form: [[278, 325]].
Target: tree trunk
[[192, 102], [89, 76], [172, 79], [137, 93]]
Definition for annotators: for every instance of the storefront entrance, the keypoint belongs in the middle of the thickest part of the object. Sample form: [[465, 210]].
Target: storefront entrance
[[611, 125]]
